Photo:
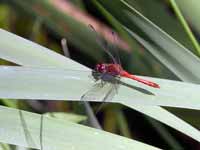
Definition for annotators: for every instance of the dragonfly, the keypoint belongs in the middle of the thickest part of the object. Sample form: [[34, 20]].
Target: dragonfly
[[107, 76]]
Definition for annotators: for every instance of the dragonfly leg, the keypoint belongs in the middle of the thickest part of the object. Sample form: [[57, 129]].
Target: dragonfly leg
[[116, 84], [109, 95], [102, 77]]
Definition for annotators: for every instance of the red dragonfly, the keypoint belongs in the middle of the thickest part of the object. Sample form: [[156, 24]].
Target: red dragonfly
[[116, 70], [109, 74]]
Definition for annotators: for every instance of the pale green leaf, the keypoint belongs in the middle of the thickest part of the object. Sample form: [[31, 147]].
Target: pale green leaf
[[24, 52], [35, 131], [43, 83]]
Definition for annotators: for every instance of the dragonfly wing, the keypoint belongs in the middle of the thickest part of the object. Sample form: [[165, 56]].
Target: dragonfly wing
[[108, 97], [101, 91], [115, 48], [103, 43]]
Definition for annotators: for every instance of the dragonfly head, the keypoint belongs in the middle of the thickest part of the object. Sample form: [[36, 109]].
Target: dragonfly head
[[101, 68]]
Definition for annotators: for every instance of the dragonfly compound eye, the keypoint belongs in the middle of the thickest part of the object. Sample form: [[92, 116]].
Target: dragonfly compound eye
[[101, 68]]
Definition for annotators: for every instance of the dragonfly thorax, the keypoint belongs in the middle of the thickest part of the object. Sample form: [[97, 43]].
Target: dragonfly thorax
[[112, 69]]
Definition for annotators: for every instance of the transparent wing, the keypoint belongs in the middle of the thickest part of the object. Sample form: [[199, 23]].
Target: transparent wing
[[101, 91], [115, 49], [109, 48], [104, 45]]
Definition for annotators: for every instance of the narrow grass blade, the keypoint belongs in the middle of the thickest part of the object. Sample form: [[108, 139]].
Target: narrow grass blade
[[185, 25], [169, 50], [188, 8]]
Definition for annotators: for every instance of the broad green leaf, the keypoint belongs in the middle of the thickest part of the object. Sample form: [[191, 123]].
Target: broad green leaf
[[35, 131], [51, 83]]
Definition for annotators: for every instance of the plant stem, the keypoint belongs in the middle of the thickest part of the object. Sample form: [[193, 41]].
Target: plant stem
[[185, 26]]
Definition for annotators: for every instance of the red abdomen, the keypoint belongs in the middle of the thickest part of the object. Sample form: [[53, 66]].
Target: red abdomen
[[130, 76], [115, 70]]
